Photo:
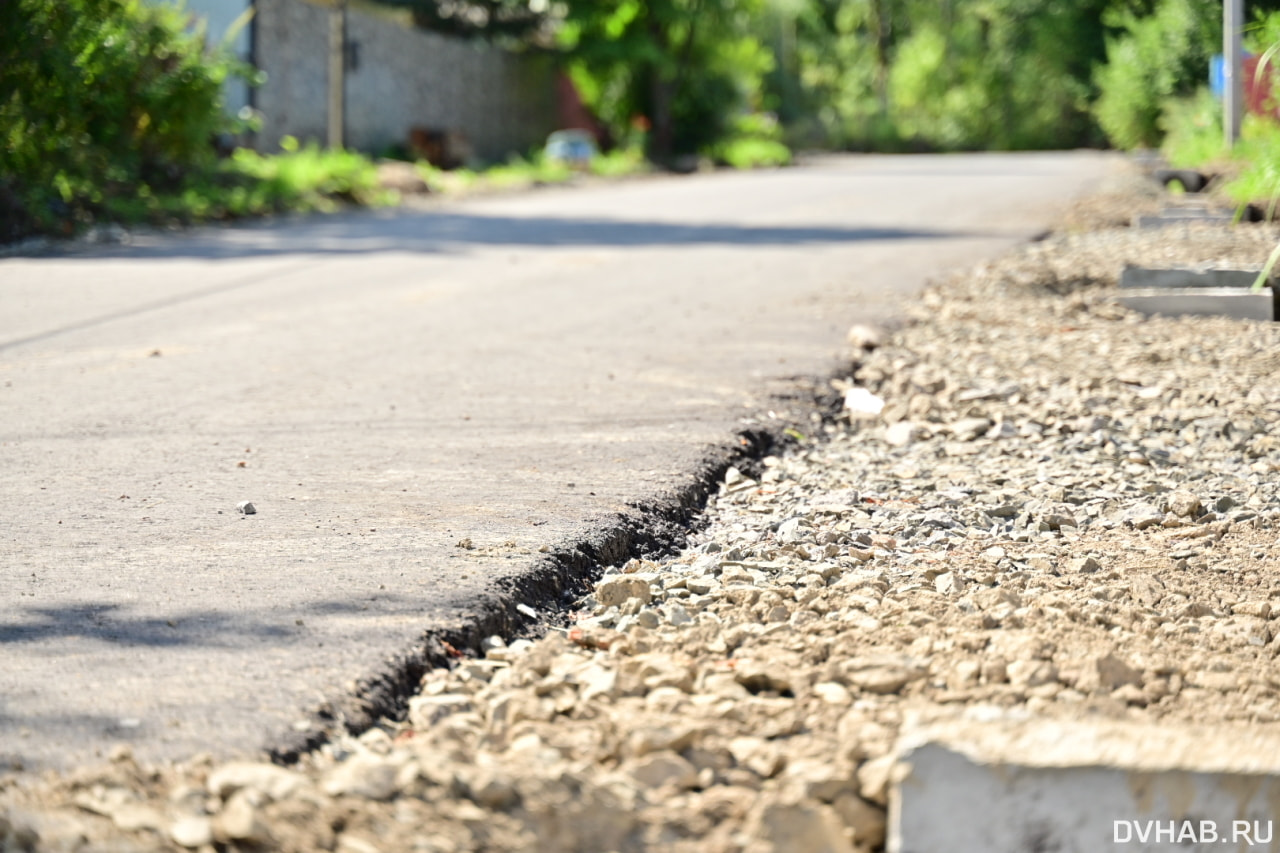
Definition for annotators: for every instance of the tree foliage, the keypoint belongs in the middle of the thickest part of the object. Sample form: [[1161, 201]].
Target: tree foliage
[[688, 66], [111, 99], [100, 97], [909, 74], [499, 20], [1152, 58], [949, 74]]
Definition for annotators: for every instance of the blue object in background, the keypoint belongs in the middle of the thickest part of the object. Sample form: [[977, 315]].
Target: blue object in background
[[573, 147], [1217, 73]]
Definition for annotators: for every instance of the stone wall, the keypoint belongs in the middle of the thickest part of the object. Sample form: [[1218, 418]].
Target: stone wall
[[397, 78], [218, 16]]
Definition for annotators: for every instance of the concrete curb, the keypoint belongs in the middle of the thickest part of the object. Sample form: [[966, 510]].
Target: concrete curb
[[1143, 277], [1197, 291], [1010, 785], [1220, 301], [1185, 214]]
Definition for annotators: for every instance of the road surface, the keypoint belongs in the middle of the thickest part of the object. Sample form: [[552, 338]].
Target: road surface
[[383, 385]]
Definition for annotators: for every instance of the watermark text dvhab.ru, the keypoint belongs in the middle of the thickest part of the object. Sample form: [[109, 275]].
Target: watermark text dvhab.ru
[[1246, 832]]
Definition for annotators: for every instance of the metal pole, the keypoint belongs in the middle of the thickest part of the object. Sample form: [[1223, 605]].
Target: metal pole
[[337, 71], [1233, 84]]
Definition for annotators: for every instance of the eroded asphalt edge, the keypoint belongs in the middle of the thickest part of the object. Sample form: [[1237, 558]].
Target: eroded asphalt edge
[[658, 525]]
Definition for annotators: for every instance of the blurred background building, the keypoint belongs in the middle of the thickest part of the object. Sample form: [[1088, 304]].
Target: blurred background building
[[399, 83]]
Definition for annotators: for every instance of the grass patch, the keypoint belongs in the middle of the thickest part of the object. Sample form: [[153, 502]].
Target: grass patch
[[752, 153], [308, 178], [298, 179], [620, 162], [532, 171], [518, 173], [755, 142], [1258, 155], [1193, 130]]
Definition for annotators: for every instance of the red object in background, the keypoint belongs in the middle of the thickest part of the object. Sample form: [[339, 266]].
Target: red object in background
[[1259, 97], [575, 115]]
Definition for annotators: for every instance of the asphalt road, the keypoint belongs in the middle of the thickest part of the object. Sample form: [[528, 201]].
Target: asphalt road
[[382, 385]]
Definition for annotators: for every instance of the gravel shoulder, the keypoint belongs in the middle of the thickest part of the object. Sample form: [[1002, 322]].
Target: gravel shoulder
[[1062, 508]]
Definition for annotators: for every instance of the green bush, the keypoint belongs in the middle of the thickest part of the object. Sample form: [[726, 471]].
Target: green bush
[[521, 172], [752, 153], [755, 140], [1192, 127], [1258, 181], [687, 66], [993, 79], [251, 184], [100, 101], [533, 171], [931, 98], [307, 178], [619, 162], [837, 79], [964, 74], [1156, 57]]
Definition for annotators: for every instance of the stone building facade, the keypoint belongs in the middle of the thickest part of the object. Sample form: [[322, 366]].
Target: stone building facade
[[397, 78]]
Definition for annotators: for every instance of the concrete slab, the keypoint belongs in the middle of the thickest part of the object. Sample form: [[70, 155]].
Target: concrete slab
[[1144, 277], [1007, 785], [1183, 215], [1213, 301]]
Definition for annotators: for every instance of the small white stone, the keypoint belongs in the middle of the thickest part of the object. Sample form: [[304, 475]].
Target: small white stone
[[1184, 504], [865, 336], [192, 832], [968, 429], [616, 590], [949, 583], [427, 711], [874, 777], [363, 775], [860, 402], [1002, 430], [276, 782], [1083, 565], [676, 614], [664, 768], [902, 433], [240, 819]]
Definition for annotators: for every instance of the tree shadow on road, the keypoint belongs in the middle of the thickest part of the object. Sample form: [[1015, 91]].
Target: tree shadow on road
[[108, 624], [434, 232], [111, 624], [18, 752]]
